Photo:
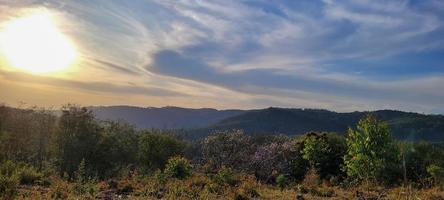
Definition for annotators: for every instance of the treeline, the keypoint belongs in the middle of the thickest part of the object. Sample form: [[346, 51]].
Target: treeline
[[75, 145]]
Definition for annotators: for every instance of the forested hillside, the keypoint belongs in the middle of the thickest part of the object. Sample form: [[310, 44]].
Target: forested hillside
[[199, 122], [404, 125], [163, 118]]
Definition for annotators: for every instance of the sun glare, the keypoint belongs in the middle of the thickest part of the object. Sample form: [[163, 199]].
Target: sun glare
[[33, 43]]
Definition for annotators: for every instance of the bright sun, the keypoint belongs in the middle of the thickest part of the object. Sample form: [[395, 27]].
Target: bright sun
[[33, 43]]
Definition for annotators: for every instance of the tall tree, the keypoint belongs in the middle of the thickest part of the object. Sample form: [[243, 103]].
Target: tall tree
[[77, 137], [372, 155]]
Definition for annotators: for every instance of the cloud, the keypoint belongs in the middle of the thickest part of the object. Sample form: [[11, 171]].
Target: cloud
[[174, 64], [93, 86], [116, 67], [339, 54]]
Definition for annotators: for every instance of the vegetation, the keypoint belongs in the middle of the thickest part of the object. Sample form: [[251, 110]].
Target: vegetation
[[403, 125], [75, 156], [371, 154]]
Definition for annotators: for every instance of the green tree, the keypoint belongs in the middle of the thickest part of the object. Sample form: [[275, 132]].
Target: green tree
[[325, 153], [372, 155], [156, 148], [117, 149], [77, 137]]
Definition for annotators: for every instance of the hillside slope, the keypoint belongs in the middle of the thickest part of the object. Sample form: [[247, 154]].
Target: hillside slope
[[404, 125], [165, 117]]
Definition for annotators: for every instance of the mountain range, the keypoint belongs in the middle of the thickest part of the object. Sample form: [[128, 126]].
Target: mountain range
[[289, 121]]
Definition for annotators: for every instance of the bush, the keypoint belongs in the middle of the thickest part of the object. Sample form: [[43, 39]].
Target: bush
[[437, 173], [29, 175], [155, 149], [59, 189], [281, 181], [8, 168], [229, 149], [178, 167], [248, 187], [86, 189], [160, 177], [325, 153], [225, 176], [8, 186]]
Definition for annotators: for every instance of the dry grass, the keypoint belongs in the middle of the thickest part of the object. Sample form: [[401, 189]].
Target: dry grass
[[201, 186]]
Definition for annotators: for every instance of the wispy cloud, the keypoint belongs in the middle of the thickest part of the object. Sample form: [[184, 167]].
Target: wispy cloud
[[339, 55]]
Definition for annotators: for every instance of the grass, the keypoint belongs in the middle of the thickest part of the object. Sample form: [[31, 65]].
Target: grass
[[202, 186]]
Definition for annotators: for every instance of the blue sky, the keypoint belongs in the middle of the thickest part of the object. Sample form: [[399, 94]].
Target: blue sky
[[341, 55]]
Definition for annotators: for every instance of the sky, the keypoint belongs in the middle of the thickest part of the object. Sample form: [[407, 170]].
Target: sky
[[343, 55]]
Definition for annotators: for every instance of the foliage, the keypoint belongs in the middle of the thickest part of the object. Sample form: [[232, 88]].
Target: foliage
[[296, 166], [28, 175], [437, 173], [225, 176], [266, 159], [101, 157], [76, 139], [178, 167], [155, 149], [81, 175], [281, 181], [8, 186], [229, 149], [325, 153], [404, 125], [282, 157], [117, 149], [372, 154]]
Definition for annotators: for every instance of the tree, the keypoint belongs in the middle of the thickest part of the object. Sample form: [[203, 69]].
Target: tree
[[372, 155], [279, 158], [77, 137], [156, 148], [229, 149], [325, 153], [117, 148]]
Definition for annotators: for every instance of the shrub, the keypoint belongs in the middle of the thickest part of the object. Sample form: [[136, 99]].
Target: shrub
[[80, 174], [87, 188], [296, 166], [229, 149], [29, 175], [8, 186], [8, 168], [155, 149], [437, 173], [269, 160], [59, 189], [160, 177], [281, 181], [225, 176], [178, 167], [325, 153], [248, 187]]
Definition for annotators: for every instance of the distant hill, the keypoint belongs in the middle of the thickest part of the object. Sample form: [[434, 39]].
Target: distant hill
[[165, 117], [201, 122], [404, 125]]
